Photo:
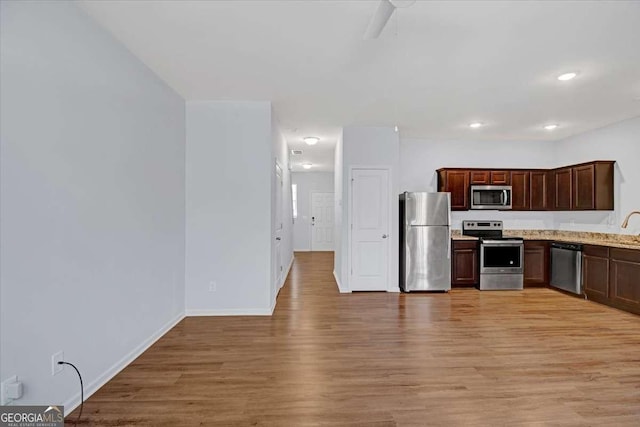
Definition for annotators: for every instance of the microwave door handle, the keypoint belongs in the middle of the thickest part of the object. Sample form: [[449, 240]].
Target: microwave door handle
[[504, 197]]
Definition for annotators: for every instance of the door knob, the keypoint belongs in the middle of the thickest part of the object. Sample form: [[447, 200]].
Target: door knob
[[384, 236], [277, 238]]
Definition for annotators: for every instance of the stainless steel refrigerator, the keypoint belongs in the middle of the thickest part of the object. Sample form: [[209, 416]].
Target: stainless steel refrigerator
[[425, 242]]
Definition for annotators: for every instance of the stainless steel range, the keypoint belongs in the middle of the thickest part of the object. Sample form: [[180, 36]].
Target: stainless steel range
[[501, 258]]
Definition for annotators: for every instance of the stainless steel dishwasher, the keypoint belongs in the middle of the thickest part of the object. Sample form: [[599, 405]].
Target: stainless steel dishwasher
[[566, 267]]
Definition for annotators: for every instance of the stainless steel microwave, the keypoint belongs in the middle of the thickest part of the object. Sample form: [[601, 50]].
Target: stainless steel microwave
[[490, 197]]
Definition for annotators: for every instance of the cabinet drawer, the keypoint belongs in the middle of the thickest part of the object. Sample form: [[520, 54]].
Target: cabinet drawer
[[599, 251], [629, 255], [465, 244]]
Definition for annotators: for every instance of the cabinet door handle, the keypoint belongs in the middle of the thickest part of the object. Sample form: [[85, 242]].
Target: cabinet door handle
[[384, 236]]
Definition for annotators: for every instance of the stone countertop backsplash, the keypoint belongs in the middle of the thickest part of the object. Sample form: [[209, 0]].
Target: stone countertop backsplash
[[588, 238]]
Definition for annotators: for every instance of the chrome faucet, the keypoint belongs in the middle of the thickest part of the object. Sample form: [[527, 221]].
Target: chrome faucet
[[625, 223]]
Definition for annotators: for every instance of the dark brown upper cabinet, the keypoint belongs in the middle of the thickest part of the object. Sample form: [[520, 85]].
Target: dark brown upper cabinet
[[585, 186], [455, 182], [593, 186], [520, 188], [479, 177], [562, 189], [485, 177], [500, 177], [538, 190]]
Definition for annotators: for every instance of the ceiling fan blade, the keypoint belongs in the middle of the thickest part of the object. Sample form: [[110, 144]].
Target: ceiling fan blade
[[379, 20]]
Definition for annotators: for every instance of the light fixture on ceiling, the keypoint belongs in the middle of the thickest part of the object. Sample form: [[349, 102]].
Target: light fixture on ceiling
[[396, 128], [476, 125], [567, 76], [551, 126], [311, 140], [307, 165]]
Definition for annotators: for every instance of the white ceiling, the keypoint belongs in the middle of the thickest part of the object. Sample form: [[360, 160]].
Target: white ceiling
[[436, 67]]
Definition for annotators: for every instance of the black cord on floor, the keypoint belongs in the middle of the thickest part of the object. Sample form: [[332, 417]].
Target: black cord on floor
[[81, 389]]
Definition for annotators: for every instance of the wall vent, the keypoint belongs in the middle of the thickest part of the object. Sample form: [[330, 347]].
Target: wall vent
[[296, 152]]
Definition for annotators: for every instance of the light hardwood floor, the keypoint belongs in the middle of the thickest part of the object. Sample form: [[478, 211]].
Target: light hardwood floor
[[466, 358]]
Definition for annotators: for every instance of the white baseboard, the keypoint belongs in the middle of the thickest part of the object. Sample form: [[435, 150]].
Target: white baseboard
[[229, 312], [302, 250], [286, 273], [340, 288], [95, 385], [284, 279]]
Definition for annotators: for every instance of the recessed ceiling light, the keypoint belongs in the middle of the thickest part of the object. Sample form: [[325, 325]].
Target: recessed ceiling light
[[551, 127], [311, 140], [475, 125], [307, 165], [567, 76], [396, 128]]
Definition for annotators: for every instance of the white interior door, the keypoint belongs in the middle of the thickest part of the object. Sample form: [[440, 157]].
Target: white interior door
[[369, 230], [278, 269], [322, 221]]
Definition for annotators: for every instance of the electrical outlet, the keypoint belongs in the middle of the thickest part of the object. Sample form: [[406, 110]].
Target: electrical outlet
[[4, 398], [213, 286], [56, 368]]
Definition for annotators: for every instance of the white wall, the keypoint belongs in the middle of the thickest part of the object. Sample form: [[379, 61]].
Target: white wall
[[92, 201], [308, 182], [280, 155], [370, 147], [419, 159], [228, 200], [339, 241], [619, 142]]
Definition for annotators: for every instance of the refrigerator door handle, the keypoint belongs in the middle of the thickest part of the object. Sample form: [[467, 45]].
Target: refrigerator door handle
[[449, 245]]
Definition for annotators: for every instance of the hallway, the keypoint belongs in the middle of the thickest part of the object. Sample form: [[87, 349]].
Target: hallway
[[534, 357]]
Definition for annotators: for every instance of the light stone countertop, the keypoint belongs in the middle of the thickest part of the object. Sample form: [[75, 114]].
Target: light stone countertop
[[625, 241]]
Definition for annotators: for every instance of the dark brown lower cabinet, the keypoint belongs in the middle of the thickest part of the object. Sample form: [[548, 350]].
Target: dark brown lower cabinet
[[595, 272], [536, 263], [624, 279], [611, 276], [465, 271]]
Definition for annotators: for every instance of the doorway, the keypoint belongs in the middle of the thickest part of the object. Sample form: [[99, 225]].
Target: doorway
[[278, 269], [370, 217], [313, 207], [322, 221]]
